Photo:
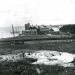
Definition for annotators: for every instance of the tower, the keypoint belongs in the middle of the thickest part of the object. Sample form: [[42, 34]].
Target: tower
[[27, 26]]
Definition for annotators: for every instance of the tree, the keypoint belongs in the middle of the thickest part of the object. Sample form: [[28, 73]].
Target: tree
[[68, 28]]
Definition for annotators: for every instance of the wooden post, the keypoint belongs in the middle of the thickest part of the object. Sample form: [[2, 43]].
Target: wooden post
[[13, 32]]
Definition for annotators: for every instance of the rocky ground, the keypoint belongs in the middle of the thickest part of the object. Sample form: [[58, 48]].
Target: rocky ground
[[38, 63]]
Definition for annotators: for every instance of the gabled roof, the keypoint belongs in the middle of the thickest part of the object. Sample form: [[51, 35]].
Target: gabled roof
[[55, 29]]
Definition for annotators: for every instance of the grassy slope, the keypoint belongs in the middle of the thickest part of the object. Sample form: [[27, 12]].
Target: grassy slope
[[39, 45]]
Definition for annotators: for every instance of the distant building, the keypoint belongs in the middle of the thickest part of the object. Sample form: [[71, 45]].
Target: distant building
[[43, 29], [29, 32], [55, 29], [27, 26], [51, 30]]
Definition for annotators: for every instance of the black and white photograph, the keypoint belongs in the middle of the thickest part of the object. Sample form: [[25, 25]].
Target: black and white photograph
[[37, 37]]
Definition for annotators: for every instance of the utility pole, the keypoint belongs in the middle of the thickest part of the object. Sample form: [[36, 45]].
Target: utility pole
[[13, 31]]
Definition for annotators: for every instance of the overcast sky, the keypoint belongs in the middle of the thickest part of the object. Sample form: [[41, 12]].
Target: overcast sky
[[19, 12]]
